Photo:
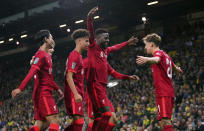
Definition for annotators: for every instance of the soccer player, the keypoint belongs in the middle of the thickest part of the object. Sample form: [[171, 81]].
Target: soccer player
[[162, 66], [85, 61], [91, 116], [74, 78], [45, 109], [97, 74]]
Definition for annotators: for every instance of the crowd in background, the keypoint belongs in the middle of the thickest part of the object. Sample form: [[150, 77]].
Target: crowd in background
[[134, 102]]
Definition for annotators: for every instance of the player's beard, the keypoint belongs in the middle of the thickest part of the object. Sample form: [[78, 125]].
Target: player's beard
[[104, 45]]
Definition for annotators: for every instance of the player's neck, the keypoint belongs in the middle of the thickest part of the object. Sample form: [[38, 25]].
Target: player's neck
[[44, 48], [78, 49], [155, 49]]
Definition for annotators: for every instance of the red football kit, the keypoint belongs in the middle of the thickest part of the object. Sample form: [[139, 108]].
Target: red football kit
[[164, 90], [74, 64], [43, 101]]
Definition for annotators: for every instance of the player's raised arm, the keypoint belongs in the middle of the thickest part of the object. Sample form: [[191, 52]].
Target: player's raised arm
[[142, 60], [118, 75], [90, 26], [132, 41]]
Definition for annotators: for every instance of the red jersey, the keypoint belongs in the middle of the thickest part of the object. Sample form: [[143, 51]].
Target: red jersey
[[44, 82], [97, 58], [162, 75], [75, 64]]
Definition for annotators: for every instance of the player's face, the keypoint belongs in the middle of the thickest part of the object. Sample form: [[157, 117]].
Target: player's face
[[50, 51], [148, 47], [84, 43], [103, 40], [50, 42]]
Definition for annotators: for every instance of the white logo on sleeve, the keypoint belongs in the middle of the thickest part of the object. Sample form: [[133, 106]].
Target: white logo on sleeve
[[36, 60], [73, 65]]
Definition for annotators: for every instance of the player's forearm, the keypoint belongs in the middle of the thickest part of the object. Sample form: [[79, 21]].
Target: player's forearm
[[153, 60], [71, 84], [31, 73], [119, 75], [56, 87], [117, 47], [90, 28]]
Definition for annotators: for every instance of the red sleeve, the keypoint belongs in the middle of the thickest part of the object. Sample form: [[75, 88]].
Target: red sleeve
[[117, 75], [72, 64], [29, 76], [116, 47], [173, 65], [55, 86], [39, 60], [158, 54], [90, 28]]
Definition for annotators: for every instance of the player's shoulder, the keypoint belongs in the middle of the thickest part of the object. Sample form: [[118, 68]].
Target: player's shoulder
[[40, 54], [74, 55], [158, 53]]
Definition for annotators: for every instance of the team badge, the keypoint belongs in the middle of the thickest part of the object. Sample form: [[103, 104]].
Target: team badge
[[73, 65], [36, 60], [101, 54]]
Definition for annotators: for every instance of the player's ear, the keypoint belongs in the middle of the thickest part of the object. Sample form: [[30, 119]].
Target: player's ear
[[45, 39]]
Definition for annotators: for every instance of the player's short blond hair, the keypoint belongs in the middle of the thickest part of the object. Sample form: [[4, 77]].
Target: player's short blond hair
[[156, 39]]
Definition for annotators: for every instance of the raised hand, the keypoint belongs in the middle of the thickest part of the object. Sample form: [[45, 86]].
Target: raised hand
[[92, 12], [133, 41]]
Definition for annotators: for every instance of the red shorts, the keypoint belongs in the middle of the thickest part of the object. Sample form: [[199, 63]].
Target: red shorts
[[89, 107], [99, 99], [44, 106], [72, 107], [165, 106]]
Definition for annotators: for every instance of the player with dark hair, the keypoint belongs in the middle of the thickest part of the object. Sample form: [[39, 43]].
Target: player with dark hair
[[162, 66], [97, 74], [45, 109], [74, 77]]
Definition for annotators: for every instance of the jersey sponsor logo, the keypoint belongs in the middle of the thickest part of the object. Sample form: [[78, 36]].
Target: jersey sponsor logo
[[36, 60], [79, 108], [73, 65], [103, 54]]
